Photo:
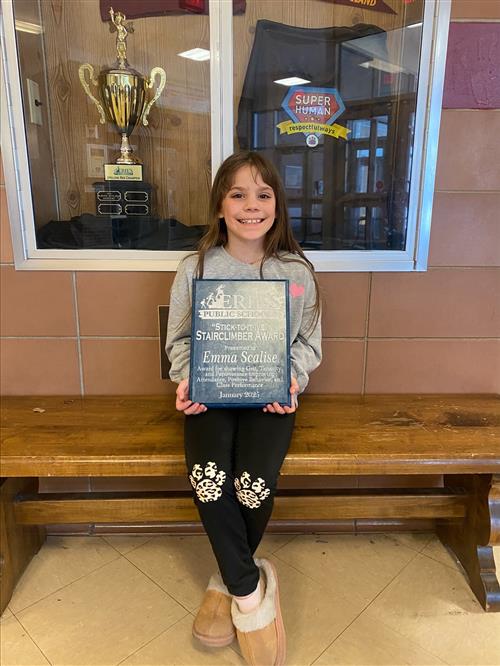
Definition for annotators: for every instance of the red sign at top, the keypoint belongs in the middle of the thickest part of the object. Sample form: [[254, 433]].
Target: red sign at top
[[374, 5]]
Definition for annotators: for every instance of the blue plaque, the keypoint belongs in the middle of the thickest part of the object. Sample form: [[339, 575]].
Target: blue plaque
[[240, 343]]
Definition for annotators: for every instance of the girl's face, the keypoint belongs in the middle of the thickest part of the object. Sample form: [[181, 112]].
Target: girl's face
[[248, 208]]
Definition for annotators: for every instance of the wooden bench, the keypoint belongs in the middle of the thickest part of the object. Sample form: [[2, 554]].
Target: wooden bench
[[450, 442]]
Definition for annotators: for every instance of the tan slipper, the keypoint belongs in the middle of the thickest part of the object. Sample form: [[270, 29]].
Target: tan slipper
[[213, 625], [261, 633]]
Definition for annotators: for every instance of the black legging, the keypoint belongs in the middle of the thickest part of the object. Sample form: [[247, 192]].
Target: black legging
[[233, 458]]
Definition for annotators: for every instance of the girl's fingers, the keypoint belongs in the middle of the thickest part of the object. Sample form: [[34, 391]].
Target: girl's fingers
[[181, 405], [276, 408], [196, 408], [182, 391]]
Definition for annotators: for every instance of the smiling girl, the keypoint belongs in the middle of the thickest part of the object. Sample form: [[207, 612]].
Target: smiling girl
[[239, 452]]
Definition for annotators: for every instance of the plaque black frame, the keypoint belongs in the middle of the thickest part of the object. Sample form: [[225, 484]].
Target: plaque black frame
[[282, 394]]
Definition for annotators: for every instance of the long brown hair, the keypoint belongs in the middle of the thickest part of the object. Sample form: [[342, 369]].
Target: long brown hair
[[278, 240]]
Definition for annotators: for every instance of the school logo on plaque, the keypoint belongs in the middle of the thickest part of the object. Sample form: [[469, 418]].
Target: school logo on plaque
[[313, 112]]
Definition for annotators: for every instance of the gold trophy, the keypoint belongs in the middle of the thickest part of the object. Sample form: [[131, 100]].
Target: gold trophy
[[125, 99]]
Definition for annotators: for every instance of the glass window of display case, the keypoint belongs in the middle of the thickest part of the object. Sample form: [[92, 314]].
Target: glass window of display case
[[116, 120], [328, 90]]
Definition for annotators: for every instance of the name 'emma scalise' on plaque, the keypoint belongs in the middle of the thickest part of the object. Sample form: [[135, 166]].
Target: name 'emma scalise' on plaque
[[240, 343]]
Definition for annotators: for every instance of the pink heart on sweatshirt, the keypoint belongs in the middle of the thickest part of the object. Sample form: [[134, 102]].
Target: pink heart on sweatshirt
[[296, 290]]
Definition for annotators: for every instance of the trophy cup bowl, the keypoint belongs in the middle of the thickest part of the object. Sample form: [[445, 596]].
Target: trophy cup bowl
[[124, 98]]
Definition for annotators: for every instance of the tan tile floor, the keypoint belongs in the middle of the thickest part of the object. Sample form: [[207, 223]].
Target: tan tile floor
[[370, 599]]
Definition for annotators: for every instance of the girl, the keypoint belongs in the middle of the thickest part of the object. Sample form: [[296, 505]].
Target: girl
[[239, 452]]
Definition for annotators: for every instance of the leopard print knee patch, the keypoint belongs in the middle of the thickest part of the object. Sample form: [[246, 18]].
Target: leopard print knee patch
[[207, 481], [251, 494]]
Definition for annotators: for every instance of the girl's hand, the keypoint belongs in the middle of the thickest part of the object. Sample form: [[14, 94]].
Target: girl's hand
[[276, 408], [182, 402]]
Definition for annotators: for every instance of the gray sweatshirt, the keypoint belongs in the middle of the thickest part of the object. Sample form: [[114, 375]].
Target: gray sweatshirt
[[305, 344]]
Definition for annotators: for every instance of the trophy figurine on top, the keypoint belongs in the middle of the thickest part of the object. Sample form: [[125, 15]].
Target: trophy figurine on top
[[124, 99]]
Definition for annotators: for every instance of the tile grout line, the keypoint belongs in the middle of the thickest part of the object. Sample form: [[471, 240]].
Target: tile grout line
[[292, 566], [293, 537], [366, 336], [462, 109], [377, 338], [325, 337], [363, 610], [415, 337], [120, 337], [357, 338], [155, 583], [163, 589], [128, 551], [78, 342], [32, 639], [412, 638], [474, 20], [386, 625], [75, 337], [122, 555], [416, 554], [115, 559], [445, 191], [141, 647], [88, 573], [454, 566]]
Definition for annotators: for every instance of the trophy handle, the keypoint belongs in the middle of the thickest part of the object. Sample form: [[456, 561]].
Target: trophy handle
[[159, 89], [86, 86]]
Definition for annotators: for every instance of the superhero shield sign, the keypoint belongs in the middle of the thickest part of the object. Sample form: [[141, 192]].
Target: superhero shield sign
[[313, 112]]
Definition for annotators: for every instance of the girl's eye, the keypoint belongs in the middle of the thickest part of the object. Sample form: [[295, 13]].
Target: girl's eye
[[265, 196], [236, 195]]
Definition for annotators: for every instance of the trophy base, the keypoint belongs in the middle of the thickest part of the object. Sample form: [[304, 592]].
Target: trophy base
[[122, 199], [123, 172]]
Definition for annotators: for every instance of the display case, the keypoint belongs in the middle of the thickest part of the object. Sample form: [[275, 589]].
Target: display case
[[114, 122]]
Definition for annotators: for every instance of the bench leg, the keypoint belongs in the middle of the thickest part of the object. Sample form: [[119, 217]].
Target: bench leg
[[18, 543], [472, 538]]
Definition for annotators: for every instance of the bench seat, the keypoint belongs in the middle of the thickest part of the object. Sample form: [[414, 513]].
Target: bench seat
[[143, 436], [453, 439]]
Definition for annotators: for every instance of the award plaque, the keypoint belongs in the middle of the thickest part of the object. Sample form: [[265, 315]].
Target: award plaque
[[240, 343]]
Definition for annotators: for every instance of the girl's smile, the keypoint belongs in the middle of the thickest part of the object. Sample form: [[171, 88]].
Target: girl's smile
[[248, 210]]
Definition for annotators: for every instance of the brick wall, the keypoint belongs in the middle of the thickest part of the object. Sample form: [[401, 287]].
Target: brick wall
[[433, 332]]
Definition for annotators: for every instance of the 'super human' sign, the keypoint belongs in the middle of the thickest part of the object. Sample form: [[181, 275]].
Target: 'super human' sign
[[313, 112]]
